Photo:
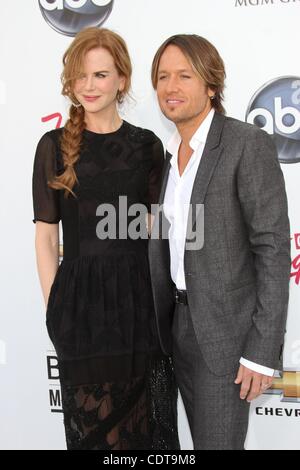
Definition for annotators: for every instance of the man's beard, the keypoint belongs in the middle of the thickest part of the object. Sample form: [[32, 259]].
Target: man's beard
[[178, 119]]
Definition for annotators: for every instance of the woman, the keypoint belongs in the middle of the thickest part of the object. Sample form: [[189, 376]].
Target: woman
[[117, 387]]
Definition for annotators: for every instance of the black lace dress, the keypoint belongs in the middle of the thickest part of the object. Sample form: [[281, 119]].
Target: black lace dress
[[118, 389]]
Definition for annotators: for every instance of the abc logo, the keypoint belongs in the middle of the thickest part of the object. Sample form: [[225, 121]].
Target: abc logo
[[276, 109], [70, 16]]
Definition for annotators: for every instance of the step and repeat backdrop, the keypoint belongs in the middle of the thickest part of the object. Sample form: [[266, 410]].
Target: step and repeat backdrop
[[258, 41]]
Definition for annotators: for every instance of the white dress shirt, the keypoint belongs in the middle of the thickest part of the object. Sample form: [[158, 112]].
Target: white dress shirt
[[176, 209]]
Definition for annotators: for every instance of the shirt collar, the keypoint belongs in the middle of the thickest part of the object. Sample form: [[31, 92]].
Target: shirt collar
[[199, 137], [201, 133]]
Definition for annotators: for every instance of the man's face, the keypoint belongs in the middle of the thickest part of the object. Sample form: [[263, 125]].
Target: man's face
[[183, 97]]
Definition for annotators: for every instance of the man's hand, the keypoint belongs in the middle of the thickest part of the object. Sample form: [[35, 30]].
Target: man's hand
[[252, 383]]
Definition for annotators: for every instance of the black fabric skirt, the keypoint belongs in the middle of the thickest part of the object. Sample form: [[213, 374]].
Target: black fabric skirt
[[137, 414], [102, 306], [118, 389]]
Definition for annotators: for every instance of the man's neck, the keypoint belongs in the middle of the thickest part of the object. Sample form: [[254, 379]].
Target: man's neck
[[187, 129]]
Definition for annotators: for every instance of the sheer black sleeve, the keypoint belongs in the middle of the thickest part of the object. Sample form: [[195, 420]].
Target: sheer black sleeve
[[45, 200], [156, 172]]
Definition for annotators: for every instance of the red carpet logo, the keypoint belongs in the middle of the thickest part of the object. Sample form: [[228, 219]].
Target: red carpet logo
[[275, 108], [288, 386], [263, 3], [57, 116], [55, 401], [295, 272], [70, 16]]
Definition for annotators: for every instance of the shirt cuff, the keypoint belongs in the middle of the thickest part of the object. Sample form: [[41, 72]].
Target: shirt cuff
[[257, 367]]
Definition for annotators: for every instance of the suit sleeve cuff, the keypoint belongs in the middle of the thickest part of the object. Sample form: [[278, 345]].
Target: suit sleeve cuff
[[257, 367]]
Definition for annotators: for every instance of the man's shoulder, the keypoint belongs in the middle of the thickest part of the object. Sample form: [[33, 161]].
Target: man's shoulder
[[241, 128], [239, 135]]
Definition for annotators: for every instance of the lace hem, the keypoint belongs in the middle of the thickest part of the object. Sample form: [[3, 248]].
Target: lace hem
[[135, 415]]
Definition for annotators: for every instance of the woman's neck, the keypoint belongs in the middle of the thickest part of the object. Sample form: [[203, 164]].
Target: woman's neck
[[101, 124]]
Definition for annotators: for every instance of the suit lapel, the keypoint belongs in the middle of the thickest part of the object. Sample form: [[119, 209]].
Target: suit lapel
[[156, 228], [211, 154], [166, 171]]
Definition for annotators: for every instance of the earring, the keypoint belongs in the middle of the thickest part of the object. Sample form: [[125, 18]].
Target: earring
[[120, 96], [72, 98], [212, 97]]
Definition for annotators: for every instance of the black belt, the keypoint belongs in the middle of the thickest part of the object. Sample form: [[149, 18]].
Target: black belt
[[181, 297]]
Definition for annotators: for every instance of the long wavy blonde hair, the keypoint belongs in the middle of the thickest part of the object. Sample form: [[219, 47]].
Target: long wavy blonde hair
[[85, 40]]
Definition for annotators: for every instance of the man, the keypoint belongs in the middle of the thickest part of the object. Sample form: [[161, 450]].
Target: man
[[221, 307]]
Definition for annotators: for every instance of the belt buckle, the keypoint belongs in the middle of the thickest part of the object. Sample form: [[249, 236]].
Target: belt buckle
[[176, 296]]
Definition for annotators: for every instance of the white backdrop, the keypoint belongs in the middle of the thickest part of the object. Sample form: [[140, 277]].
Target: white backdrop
[[257, 40]]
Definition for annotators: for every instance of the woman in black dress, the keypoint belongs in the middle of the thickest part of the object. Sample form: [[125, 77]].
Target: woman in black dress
[[118, 389]]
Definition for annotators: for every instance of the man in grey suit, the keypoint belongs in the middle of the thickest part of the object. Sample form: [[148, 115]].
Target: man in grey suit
[[221, 307]]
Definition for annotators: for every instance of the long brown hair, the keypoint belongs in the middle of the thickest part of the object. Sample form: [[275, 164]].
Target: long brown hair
[[85, 40], [205, 60]]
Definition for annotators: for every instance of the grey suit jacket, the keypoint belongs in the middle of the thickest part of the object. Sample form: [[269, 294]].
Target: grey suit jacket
[[238, 282]]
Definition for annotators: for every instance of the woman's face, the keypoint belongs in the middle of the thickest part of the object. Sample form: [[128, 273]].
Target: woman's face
[[97, 87]]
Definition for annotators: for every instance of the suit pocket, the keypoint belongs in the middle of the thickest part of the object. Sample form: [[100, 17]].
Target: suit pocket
[[238, 285], [222, 357]]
